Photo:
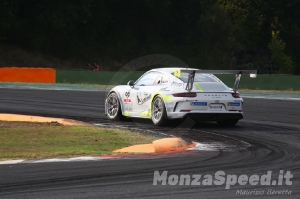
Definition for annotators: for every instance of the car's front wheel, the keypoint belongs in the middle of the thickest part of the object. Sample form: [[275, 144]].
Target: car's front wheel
[[228, 122], [113, 108], [159, 113]]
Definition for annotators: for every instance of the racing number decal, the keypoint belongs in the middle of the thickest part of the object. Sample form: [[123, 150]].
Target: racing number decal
[[177, 73]]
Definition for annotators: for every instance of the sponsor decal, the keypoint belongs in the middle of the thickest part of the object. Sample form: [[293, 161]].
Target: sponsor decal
[[233, 104], [128, 108], [164, 80], [198, 103], [216, 95], [127, 100], [157, 81], [176, 84], [163, 89], [142, 97]]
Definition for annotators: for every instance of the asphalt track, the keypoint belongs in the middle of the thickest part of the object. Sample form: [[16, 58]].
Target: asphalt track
[[267, 139]]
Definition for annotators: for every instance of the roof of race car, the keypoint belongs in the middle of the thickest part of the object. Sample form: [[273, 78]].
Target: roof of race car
[[208, 86], [171, 70]]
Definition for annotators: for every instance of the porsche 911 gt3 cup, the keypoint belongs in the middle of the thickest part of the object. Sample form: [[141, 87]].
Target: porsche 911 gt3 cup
[[171, 93]]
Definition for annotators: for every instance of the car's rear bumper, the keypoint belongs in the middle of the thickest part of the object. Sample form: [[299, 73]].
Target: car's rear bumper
[[208, 116], [214, 116]]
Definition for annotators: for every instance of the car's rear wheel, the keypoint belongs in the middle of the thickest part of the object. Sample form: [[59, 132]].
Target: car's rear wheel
[[159, 113], [228, 122], [113, 108]]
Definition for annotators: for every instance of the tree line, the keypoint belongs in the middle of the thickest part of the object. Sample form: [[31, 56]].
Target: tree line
[[208, 34]]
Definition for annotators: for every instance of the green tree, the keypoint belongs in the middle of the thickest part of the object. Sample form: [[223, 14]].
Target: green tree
[[277, 47], [257, 19]]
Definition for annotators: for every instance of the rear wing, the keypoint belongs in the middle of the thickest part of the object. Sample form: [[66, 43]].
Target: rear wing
[[192, 72]]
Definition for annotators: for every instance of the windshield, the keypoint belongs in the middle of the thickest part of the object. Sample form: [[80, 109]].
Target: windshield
[[198, 77]]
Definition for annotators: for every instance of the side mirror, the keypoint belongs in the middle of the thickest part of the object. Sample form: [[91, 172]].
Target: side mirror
[[131, 83]]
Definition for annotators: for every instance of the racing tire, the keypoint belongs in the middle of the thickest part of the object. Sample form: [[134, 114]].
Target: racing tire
[[228, 122], [113, 108], [158, 112]]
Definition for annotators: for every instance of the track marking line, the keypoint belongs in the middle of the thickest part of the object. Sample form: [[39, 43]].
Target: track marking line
[[11, 162], [76, 159]]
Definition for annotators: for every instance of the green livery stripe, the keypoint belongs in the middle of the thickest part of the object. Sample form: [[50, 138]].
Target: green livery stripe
[[126, 113], [166, 98], [198, 86]]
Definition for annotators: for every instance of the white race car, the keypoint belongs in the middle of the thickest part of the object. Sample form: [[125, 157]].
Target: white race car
[[170, 93]]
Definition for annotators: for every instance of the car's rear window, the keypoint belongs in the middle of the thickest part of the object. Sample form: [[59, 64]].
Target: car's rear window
[[198, 77]]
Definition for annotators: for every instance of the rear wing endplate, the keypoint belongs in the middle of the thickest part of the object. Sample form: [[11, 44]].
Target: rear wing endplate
[[238, 74]]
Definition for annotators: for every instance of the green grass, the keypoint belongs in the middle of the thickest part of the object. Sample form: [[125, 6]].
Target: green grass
[[27, 140]]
